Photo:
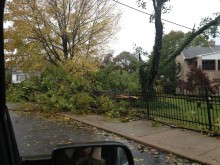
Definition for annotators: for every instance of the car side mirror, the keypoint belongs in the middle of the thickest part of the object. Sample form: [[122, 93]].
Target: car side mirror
[[100, 153]]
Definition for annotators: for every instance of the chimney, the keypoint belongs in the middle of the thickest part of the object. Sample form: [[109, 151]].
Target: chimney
[[212, 43]]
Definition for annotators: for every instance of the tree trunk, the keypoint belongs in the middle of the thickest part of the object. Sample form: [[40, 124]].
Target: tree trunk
[[157, 43]]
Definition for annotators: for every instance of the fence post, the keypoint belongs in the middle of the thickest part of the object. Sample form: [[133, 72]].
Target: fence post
[[208, 108], [147, 100]]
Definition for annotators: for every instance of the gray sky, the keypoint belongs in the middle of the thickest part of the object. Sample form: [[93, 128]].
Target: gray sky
[[136, 29]]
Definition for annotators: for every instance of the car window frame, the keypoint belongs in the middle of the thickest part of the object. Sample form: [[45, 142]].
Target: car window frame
[[8, 150]]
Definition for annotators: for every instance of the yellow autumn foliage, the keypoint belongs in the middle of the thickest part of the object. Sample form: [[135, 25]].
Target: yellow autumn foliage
[[79, 65], [63, 32]]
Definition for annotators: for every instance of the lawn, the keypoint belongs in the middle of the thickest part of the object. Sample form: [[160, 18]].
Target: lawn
[[186, 111]]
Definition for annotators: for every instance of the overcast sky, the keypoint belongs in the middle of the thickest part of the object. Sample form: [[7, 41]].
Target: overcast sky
[[136, 29]]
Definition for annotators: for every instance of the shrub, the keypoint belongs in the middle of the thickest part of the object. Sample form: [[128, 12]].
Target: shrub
[[14, 93], [105, 105], [121, 110], [169, 87], [44, 102], [113, 114], [82, 103], [197, 79]]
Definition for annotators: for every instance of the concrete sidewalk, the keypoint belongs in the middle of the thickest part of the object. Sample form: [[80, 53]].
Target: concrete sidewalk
[[185, 143]]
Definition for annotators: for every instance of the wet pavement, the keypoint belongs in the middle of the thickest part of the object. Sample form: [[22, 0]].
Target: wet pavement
[[185, 143], [36, 136], [39, 136]]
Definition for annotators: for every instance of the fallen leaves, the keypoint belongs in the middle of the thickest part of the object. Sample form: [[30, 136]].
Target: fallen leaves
[[98, 134], [167, 158]]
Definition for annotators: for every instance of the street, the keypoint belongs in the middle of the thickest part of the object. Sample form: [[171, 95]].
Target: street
[[37, 136]]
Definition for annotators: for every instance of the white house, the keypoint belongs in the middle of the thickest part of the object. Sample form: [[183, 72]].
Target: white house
[[19, 76]]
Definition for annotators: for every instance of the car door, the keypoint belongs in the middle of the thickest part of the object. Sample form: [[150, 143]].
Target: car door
[[8, 150]]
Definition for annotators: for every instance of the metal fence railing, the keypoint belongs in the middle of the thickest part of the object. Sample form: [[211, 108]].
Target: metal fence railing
[[196, 112], [199, 112]]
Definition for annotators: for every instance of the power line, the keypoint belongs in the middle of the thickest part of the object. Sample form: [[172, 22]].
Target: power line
[[150, 14]]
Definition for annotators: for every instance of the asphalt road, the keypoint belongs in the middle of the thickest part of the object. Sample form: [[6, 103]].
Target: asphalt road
[[38, 136]]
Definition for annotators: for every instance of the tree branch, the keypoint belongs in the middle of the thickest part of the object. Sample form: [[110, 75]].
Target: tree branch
[[189, 39]]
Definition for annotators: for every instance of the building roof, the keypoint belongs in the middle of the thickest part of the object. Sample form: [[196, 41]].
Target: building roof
[[192, 52]]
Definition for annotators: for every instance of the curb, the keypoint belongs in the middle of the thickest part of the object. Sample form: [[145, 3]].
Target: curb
[[130, 137]]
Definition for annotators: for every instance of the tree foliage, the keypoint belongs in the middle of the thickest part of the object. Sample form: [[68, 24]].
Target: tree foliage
[[119, 72], [197, 80], [58, 30], [171, 42], [127, 61], [58, 90], [72, 87]]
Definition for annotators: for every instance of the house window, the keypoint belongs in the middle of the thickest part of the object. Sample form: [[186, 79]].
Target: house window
[[208, 64], [192, 62], [21, 77]]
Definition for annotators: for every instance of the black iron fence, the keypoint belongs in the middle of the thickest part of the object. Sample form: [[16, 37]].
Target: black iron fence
[[199, 112]]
